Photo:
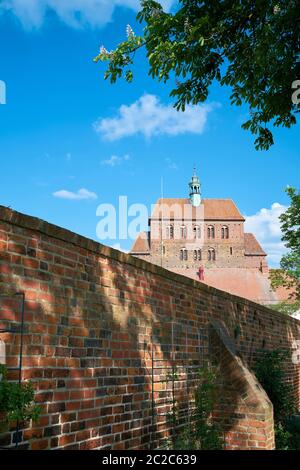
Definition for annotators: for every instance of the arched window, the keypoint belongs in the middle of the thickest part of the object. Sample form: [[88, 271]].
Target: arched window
[[211, 254], [225, 231], [210, 231], [197, 255], [197, 231], [183, 231], [170, 231], [183, 254]]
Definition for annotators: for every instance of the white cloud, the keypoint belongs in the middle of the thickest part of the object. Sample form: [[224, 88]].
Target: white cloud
[[149, 117], [80, 195], [265, 225], [115, 160], [75, 13], [275, 251], [171, 164]]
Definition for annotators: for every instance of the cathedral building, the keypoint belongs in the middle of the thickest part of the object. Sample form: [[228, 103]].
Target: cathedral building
[[204, 239]]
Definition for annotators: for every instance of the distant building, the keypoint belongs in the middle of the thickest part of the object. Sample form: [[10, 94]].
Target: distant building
[[204, 239]]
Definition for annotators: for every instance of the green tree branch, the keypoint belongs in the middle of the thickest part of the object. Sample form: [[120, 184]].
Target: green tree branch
[[250, 47]]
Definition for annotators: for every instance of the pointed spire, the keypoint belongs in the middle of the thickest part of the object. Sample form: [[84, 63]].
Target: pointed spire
[[195, 189]]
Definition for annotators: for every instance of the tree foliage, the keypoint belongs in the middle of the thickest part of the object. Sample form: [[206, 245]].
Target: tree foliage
[[17, 400], [251, 47], [286, 307], [289, 273], [203, 432], [269, 370]]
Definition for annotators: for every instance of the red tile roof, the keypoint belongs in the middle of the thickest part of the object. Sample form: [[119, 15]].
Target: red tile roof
[[212, 209], [252, 247], [141, 244]]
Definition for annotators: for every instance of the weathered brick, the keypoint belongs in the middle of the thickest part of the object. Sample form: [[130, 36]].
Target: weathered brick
[[16, 248], [40, 444], [89, 349], [52, 431]]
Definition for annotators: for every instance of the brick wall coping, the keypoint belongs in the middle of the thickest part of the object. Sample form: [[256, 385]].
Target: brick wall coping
[[18, 219]]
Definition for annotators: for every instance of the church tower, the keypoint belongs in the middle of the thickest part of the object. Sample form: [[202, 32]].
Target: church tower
[[195, 192]]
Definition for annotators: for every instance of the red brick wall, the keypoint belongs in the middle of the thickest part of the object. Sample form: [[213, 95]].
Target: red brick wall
[[99, 324]]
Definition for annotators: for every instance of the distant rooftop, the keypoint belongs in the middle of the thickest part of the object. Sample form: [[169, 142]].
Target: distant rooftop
[[213, 209], [252, 247]]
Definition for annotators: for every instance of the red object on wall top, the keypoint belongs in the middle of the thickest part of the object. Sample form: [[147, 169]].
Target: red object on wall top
[[201, 273]]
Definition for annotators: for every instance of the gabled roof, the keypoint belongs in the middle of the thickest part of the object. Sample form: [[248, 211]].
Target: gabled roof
[[141, 244], [210, 209], [252, 247]]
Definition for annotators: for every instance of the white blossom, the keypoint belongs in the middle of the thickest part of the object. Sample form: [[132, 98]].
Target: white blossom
[[103, 50], [129, 31], [276, 9]]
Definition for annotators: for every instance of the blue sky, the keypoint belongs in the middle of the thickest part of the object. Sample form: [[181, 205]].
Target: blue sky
[[64, 129]]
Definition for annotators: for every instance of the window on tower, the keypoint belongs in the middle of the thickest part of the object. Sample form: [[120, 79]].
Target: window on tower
[[183, 254], [183, 231], [197, 231], [170, 231], [210, 231], [225, 231]]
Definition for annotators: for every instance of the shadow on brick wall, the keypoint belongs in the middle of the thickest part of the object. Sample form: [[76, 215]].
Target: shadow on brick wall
[[98, 323]]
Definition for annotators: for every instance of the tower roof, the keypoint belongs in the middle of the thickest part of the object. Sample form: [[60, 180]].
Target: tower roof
[[141, 244], [195, 181], [252, 247], [214, 209]]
